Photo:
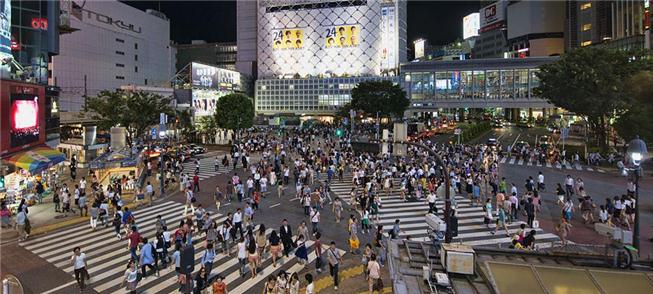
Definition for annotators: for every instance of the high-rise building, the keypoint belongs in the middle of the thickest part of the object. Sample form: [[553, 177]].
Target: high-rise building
[[113, 45], [616, 23], [222, 55], [246, 32], [311, 54], [492, 40], [535, 28]]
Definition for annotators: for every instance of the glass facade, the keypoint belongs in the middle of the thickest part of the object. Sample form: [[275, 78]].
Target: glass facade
[[489, 84], [310, 96]]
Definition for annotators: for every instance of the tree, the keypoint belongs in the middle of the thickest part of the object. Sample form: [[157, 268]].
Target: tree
[[638, 119], [592, 82], [234, 112], [384, 97], [136, 111], [185, 122]]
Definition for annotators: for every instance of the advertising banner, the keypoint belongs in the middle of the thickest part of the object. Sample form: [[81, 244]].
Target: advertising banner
[[5, 29], [207, 76], [288, 39], [419, 48], [471, 25], [205, 100], [388, 41], [341, 36], [493, 14]]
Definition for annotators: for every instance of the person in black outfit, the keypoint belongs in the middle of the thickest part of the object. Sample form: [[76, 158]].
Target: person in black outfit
[[200, 281], [530, 211], [286, 237]]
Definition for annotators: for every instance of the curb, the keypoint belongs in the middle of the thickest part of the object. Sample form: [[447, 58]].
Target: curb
[[327, 282]]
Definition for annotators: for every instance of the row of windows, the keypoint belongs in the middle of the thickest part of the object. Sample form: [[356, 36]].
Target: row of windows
[[122, 65], [123, 41], [482, 84], [123, 53]]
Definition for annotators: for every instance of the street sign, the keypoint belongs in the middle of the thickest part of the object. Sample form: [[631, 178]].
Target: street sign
[[564, 133], [154, 133], [457, 131]]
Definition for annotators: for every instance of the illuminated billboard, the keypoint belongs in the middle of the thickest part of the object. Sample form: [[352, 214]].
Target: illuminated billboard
[[206, 76], [24, 119], [204, 101], [288, 39], [388, 38], [419, 48], [492, 16], [471, 24], [341, 36], [336, 37], [5, 29]]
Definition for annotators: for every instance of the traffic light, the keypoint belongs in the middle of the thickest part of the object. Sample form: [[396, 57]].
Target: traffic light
[[339, 132]]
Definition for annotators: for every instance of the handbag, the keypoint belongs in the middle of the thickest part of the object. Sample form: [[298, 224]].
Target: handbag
[[379, 285], [536, 224]]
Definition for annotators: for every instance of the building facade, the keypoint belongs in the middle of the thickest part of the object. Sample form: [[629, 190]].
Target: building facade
[[535, 28], [329, 44], [246, 37], [29, 32], [616, 24], [113, 44], [492, 39], [222, 55]]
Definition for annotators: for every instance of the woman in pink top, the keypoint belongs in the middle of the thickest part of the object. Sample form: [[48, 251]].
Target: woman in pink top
[[374, 274]]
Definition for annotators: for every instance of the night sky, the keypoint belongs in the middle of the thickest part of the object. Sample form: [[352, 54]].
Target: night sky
[[439, 22]]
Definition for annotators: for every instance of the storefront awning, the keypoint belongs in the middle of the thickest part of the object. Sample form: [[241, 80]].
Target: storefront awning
[[36, 159]]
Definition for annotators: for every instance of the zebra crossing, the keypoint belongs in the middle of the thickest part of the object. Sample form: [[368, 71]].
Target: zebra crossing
[[207, 167], [471, 229], [107, 256], [512, 160]]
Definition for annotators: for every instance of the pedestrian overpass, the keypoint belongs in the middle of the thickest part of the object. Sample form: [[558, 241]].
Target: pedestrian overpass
[[474, 83]]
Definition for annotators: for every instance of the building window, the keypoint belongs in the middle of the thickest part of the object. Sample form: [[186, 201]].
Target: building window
[[135, 68], [120, 40], [136, 46], [585, 6], [136, 57], [587, 27], [120, 65], [146, 82], [586, 43], [120, 53], [120, 78]]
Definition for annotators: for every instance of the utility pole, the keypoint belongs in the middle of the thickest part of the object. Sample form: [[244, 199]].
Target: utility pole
[[85, 94]]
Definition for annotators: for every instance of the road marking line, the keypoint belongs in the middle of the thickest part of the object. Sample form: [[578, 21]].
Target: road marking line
[[515, 142], [60, 287], [275, 205]]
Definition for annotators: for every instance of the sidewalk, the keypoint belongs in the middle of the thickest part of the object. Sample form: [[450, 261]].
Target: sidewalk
[[44, 219]]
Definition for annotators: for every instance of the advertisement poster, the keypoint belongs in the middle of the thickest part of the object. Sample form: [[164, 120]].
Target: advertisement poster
[[207, 76], [342, 36], [205, 100], [419, 48], [24, 119], [288, 39], [388, 42], [5, 29], [471, 24]]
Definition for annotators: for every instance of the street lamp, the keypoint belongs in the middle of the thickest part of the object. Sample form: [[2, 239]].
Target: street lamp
[[636, 151]]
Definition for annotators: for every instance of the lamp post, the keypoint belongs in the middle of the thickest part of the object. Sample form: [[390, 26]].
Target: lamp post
[[636, 151]]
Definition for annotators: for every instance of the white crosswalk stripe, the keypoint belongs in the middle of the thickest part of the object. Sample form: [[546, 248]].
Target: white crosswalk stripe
[[514, 161], [107, 256], [471, 228], [207, 167]]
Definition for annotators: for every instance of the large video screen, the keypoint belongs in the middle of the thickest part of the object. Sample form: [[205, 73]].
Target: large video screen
[[5, 29], [205, 100], [24, 119], [206, 76]]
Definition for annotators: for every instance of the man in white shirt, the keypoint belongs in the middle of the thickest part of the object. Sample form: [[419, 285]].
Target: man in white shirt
[[315, 219], [78, 259], [540, 182], [569, 185], [431, 199], [238, 222], [189, 201], [149, 190]]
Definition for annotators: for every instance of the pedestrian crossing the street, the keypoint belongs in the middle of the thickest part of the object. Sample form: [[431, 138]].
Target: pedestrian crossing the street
[[207, 167], [411, 214], [107, 256], [569, 166]]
